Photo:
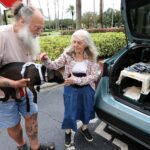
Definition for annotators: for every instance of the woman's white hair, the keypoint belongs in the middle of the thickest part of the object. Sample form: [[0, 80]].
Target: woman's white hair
[[90, 51]]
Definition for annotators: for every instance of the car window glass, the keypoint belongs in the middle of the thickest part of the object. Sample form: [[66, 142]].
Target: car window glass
[[139, 18]]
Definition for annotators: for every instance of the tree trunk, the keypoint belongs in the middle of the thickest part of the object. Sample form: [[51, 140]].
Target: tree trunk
[[39, 6], [58, 13], [78, 14], [49, 17], [94, 15], [101, 13], [62, 10], [1, 17]]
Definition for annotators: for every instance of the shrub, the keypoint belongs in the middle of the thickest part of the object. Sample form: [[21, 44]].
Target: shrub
[[54, 45], [107, 43], [95, 30]]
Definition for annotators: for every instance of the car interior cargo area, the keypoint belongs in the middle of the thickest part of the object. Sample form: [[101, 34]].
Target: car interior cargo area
[[130, 77]]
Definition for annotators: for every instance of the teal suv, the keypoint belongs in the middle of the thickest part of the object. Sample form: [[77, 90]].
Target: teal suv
[[123, 92]]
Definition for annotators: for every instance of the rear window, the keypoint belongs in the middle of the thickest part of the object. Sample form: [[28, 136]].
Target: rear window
[[138, 13]]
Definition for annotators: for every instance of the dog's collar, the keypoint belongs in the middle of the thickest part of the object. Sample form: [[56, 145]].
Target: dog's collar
[[38, 66]]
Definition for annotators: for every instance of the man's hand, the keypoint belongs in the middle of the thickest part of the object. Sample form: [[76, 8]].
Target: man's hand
[[5, 82], [20, 83]]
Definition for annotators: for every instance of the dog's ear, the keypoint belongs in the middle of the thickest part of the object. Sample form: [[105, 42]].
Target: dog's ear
[[43, 69], [58, 77], [38, 88]]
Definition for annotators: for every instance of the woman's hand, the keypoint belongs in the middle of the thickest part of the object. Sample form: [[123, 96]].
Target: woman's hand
[[43, 57], [70, 80]]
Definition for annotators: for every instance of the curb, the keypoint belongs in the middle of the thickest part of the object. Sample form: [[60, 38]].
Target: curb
[[47, 85]]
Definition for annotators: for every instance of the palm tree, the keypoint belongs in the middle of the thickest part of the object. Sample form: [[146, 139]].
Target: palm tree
[[94, 21], [101, 13], [78, 14], [1, 17], [56, 10], [62, 9], [49, 17], [39, 6], [71, 10], [112, 21]]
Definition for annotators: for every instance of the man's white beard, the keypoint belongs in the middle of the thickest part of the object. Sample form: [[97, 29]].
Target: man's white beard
[[30, 42]]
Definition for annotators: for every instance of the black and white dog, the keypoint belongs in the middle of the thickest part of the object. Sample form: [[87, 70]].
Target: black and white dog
[[37, 73]]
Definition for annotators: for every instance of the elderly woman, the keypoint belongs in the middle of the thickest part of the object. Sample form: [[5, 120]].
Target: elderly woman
[[80, 74]]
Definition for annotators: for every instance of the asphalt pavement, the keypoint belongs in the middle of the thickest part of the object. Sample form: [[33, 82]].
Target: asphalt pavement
[[51, 109], [50, 102]]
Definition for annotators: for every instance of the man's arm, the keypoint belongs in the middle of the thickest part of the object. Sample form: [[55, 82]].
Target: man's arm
[[4, 82]]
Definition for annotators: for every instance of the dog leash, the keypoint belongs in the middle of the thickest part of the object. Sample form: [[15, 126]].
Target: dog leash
[[27, 100], [24, 93]]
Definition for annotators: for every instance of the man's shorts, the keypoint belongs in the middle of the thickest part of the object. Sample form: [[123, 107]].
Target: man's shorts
[[11, 111]]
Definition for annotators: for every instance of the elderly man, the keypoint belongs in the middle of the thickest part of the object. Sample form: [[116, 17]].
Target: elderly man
[[19, 43]]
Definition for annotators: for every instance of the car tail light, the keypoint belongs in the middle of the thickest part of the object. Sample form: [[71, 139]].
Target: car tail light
[[101, 64]]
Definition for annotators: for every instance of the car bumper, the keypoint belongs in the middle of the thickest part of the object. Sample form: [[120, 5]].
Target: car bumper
[[132, 122]]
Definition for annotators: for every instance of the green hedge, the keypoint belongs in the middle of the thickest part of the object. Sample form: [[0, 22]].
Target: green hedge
[[107, 43], [54, 45], [95, 30]]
